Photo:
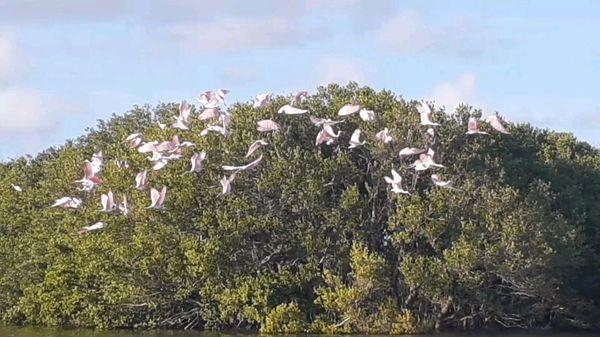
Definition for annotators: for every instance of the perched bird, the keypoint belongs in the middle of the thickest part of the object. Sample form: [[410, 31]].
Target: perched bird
[[94, 227], [197, 159], [396, 183], [107, 201], [261, 100], [134, 140], [348, 109], [157, 198], [267, 125], [496, 123], [409, 151], [444, 184], [67, 202], [367, 115], [16, 187], [141, 179], [384, 136], [425, 112], [255, 146], [244, 167], [209, 113], [226, 183], [355, 139], [290, 110], [472, 127], [298, 97]]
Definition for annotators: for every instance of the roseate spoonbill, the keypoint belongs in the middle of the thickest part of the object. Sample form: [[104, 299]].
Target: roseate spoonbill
[[67, 202], [94, 227], [148, 147], [396, 183], [496, 123], [244, 167], [123, 208], [134, 139], [97, 162], [209, 113], [323, 121], [384, 136], [367, 115], [472, 127], [355, 139], [348, 109], [267, 125], [141, 179], [326, 135], [261, 100], [197, 159], [290, 110], [226, 183], [255, 146], [89, 180], [161, 125], [444, 184], [214, 128], [409, 151], [425, 112], [298, 97], [157, 198], [107, 201]]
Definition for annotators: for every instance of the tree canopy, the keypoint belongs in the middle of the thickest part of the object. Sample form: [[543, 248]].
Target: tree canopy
[[311, 239]]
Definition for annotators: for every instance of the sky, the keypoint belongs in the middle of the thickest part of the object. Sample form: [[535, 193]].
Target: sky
[[64, 64]]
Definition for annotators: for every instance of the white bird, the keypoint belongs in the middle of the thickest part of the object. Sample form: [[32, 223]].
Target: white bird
[[409, 151], [161, 125], [226, 183], [396, 183], [94, 227], [157, 198], [496, 123], [425, 112], [426, 161], [355, 139], [444, 184], [134, 139], [472, 127], [209, 113], [141, 179], [255, 146], [367, 115], [298, 97], [384, 136], [290, 110], [261, 100], [348, 109], [197, 159], [267, 125], [148, 147], [89, 180], [182, 120], [214, 128], [16, 187], [327, 135], [121, 164], [323, 121], [107, 201], [180, 124], [67, 202], [123, 208], [212, 99], [97, 162], [244, 167]]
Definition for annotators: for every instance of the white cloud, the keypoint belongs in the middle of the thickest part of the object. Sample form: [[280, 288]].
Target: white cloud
[[341, 70], [10, 59], [61, 11], [240, 34], [452, 93], [237, 75]]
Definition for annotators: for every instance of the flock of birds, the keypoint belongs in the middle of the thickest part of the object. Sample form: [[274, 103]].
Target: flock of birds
[[161, 153]]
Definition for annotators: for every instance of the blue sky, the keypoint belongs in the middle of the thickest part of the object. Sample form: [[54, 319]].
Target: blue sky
[[65, 64]]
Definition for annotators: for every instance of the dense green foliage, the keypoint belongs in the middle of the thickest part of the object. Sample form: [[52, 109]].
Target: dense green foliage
[[311, 240]]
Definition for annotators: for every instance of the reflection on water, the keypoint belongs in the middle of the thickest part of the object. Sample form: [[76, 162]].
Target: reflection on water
[[42, 332]]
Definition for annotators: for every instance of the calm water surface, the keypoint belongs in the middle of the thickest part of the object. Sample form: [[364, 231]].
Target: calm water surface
[[40, 332]]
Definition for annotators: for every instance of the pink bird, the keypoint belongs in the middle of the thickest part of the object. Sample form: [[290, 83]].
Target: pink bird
[[121, 164], [261, 100], [107, 201], [123, 208], [443, 184], [97, 162], [298, 97], [425, 112], [409, 151], [326, 135], [496, 123], [355, 139], [134, 139], [472, 127], [367, 115], [226, 183], [323, 121], [290, 110], [425, 161], [141, 179], [348, 109], [396, 183], [161, 125], [255, 146], [244, 167], [197, 159], [383, 136], [67, 202], [148, 147], [267, 125], [157, 198], [214, 128], [210, 99], [91, 228], [209, 113], [89, 180]]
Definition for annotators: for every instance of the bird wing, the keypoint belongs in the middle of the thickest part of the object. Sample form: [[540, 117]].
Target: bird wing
[[348, 109], [397, 178]]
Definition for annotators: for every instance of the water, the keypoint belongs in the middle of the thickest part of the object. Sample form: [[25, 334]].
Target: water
[[42, 332]]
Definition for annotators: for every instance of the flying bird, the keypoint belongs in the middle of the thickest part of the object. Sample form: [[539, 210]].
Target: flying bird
[[298, 97], [443, 184], [197, 159], [355, 139], [94, 227], [97, 162], [384, 136], [426, 161], [396, 183], [323, 121], [67, 202], [148, 147], [409, 151], [267, 125], [89, 180], [107, 201], [157, 198], [134, 139], [473, 128], [226, 183], [261, 100], [367, 115], [290, 110], [123, 208], [16, 187], [141, 179], [214, 128], [244, 167], [255, 146], [348, 109], [425, 112], [209, 113], [326, 135], [496, 123]]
